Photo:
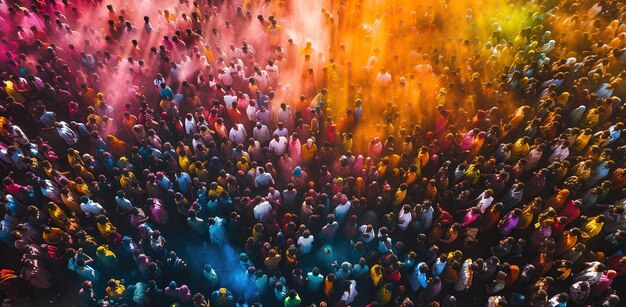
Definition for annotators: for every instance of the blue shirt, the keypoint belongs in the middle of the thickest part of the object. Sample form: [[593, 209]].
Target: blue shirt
[[314, 282], [48, 119], [418, 279], [166, 93]]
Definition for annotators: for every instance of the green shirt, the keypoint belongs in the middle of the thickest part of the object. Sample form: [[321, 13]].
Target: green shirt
[[295, 302]]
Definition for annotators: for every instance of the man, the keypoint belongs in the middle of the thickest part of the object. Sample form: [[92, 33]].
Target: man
[[284, 113], [273, 73], [47, 118], [278, 145], [263, 179], [262, 115], [261, 77], [262, 211], [383, 79], [158, 81], [66, 133], [237, 134], [484, 200], [274, 33], [230, 97], [166, 92], [90, 207], [281, 130], [261, 133], [305, 242], [18, 135]]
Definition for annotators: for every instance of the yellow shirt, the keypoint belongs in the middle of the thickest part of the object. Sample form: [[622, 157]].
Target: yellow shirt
[[590, 119], [307, 153], [58, 216], [519, 149], [106, 229], [581, 141], [184, 163], [399, 197], [116, 292], [209, 54], [592, 227], [13, 92], [273, 32]]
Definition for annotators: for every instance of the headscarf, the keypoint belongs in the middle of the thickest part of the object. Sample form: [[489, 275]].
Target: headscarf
[[297, 172]]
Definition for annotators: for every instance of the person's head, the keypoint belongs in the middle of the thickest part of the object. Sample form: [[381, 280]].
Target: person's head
[[86, 286]]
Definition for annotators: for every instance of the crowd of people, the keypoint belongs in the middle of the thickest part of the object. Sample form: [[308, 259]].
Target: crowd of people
[[327, 153]]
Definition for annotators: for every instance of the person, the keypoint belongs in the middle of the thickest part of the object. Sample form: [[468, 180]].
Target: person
[[308, 175], [292, 299], [90, 207], [263, 179], [278, 145], [115, 289], [261, 133], [305, 242], [37, 275]]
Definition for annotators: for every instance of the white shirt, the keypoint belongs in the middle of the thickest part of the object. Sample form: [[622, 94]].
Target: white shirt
[[272, 72], [484, 203], [263, 180], [91, 207], [383, 79], [349, 295], [262, 211], [251, 112], [261, 134], [341, 211], [262, 79], [281, 132], [371, 62], [284, 115], [190, 126], [278, 147], [67, 134], [305, 244], [238, 136], [123, 203], [404, 219], [228, 100], [363, 230], [560, 153], [225, 78], [275, 196]]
